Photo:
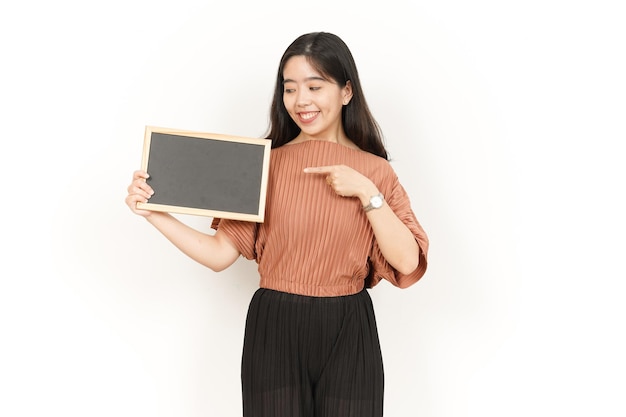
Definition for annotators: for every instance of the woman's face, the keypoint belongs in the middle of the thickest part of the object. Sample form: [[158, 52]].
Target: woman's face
[[313, 101]]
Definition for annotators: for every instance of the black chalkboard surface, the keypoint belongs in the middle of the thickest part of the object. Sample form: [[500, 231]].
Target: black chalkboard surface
[[206, 174]]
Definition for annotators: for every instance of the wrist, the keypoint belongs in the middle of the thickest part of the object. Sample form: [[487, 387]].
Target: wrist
[[367, 194], [376, 201]]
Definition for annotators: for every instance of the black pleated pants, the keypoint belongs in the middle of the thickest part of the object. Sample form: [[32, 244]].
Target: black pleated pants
[[311, 357]]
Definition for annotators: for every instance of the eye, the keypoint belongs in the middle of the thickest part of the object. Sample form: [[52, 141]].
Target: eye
[[289, 90], [315, 88]]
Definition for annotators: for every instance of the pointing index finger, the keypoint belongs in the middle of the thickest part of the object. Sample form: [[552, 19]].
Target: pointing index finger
[[319, 170]]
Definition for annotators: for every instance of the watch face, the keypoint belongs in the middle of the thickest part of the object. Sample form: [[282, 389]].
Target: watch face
[[376, 201]]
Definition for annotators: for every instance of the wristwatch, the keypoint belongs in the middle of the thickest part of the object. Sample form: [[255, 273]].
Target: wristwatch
[[376, 202]]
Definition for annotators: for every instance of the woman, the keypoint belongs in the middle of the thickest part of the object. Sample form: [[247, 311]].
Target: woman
[[337, 221]]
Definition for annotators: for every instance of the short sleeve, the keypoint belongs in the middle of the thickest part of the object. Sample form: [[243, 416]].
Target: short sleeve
[[242, 234], [398, 201]]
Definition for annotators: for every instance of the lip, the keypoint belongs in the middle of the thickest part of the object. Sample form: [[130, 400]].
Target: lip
[[308, 116]]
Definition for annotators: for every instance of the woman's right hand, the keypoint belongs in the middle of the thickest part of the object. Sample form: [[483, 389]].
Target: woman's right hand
[[215, 251], [139, 192]]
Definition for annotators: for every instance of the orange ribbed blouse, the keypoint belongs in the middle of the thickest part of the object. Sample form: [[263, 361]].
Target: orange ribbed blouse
[[314, 242]]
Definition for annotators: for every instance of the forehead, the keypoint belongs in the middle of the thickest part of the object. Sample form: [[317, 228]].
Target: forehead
[[299, 68]]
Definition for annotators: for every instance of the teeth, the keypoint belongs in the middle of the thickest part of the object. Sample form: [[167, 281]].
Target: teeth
[[307, 116]]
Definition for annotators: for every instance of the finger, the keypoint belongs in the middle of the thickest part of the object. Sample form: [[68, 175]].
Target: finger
[[140, 188], [139, 177], [133, 200], [140, 174], [140, 180], [320, 170]]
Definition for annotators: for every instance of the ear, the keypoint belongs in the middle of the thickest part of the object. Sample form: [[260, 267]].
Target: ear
[[347, 93]]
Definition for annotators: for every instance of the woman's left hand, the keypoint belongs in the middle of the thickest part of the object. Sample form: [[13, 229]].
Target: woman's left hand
[[396, 241], [346, 181]]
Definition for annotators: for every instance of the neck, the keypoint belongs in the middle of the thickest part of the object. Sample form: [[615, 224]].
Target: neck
[[340, 140], [335, 137]]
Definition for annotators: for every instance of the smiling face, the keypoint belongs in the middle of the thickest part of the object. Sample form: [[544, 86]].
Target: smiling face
[[314, 101]]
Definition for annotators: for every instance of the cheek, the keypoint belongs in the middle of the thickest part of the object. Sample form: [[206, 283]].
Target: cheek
[[287, 101], [287, 105]]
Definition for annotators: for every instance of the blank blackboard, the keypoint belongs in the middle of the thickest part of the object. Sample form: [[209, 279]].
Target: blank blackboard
[[206, 174]]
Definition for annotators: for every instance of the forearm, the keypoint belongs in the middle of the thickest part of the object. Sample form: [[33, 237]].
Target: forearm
[[213, 251], [395, 240]]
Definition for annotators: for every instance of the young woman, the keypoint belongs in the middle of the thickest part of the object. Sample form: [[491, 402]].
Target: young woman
[[337, 222]]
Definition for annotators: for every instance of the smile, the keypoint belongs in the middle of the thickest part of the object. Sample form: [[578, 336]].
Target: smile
[[308, 116]]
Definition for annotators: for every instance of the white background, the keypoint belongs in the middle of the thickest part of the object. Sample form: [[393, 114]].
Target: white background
[[504, 121]]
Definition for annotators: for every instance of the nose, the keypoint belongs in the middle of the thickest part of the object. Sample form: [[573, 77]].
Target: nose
[[303, 99]]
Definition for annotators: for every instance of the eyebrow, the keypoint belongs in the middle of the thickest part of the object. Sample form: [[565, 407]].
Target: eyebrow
[[315, 78]]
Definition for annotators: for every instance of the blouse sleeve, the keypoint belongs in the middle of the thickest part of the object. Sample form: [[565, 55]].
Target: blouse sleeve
[[398, 201], [242, 234]]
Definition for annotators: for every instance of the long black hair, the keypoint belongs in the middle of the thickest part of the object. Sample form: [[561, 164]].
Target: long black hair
[[329, 55]]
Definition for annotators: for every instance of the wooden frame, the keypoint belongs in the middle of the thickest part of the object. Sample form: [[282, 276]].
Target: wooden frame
[[206, 174]]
